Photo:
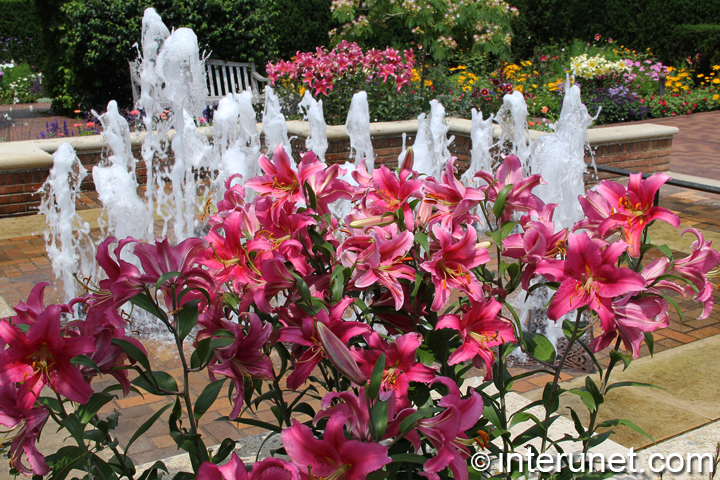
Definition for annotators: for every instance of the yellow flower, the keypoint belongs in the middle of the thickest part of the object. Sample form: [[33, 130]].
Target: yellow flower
[[716, 81], [519, 88], [716, 67], [716, 96], [534, 86]]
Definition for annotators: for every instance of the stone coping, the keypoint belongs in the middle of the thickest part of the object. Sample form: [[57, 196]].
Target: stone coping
[[32, 154]]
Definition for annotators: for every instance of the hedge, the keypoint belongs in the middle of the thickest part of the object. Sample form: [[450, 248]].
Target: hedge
[[672, 29], [19, 31]]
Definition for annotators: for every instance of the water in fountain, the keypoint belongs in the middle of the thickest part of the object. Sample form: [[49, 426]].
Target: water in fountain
[[512, 118], [357, 127], [560, 159], [116, 183], [236, 141], [67, 240], [431, 142], [481, 157], [313, 110], [154, 33], [274, 125]]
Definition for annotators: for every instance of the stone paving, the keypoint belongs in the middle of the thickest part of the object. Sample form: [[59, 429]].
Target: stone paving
[[27, 120]]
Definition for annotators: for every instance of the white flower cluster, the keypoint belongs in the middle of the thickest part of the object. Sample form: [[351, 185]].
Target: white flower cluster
[[596, 66], [6, 66]]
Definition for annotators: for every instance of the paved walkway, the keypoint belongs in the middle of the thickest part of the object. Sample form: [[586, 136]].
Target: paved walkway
[[696, 149], [26, 122]]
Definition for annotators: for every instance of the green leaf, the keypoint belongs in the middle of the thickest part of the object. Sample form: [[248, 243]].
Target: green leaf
[[539, 347], [500, 201], [144, 301], [337, 283], [167, 276], [586, 397], [310, 196], [408, 458], [187, 318], [410, 420], [152, 472], [506, 229], [133, 352], [85, 361], [162, 380], [146, 426], [379, 417], [255, 423], [616, 357], [376, 378], [650, 341], [591, 387], [87, 410], [207, 398], [74, 427], [225, 449], [422, 240], [632, 384], [627, 423]]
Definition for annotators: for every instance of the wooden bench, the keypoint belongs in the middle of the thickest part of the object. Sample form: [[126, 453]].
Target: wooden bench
[[222, 78]]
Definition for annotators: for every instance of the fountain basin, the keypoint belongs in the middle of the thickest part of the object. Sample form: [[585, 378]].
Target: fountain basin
[[24, 166]]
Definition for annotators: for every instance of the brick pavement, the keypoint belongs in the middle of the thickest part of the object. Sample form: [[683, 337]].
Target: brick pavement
[[26, 123], [696, 149]]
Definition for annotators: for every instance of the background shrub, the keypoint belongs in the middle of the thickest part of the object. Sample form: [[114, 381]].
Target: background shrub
[[88, 43], [19, 31], [299, 26], [672, 29]]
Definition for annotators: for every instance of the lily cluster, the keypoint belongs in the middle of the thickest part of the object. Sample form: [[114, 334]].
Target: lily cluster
[[321, 70], [379, 314]]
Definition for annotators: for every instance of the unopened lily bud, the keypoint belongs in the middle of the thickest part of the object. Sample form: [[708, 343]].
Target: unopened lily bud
[[374, 221], [339, 355], [409, 160]]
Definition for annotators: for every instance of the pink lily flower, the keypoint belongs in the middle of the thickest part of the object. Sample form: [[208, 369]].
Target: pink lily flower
[[305, 334], [630, 209], [268, 469], [633, 317], [452, 200], [451, 263], [590, 278], [520, 197], [334, 457], [124, 279], [390, 192], [280, 181], [245, 358], [400, 365], [539, 240], [17, 412], [351, 411], [42, 357], [697, 267], [327, 186], [234, 196], [378, 258], [161, 258], [481, 327], [446, 432]]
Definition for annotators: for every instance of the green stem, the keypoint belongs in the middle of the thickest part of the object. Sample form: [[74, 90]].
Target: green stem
[[558, 370]]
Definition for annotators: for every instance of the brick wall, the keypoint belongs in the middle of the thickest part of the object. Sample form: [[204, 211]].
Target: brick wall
[[17, 188], [648, 156]]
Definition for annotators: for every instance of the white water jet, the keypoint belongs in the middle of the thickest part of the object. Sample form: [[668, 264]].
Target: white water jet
[[317, 142], [154, 33], [357, 127], [560, 159], [431, 142], [512, 118], [67, 241], [481, 159], [116, 183], [274, 125], [182, 70]]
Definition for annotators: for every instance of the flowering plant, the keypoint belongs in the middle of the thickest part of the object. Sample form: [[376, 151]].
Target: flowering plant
[[340, 73], [357, 311]]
